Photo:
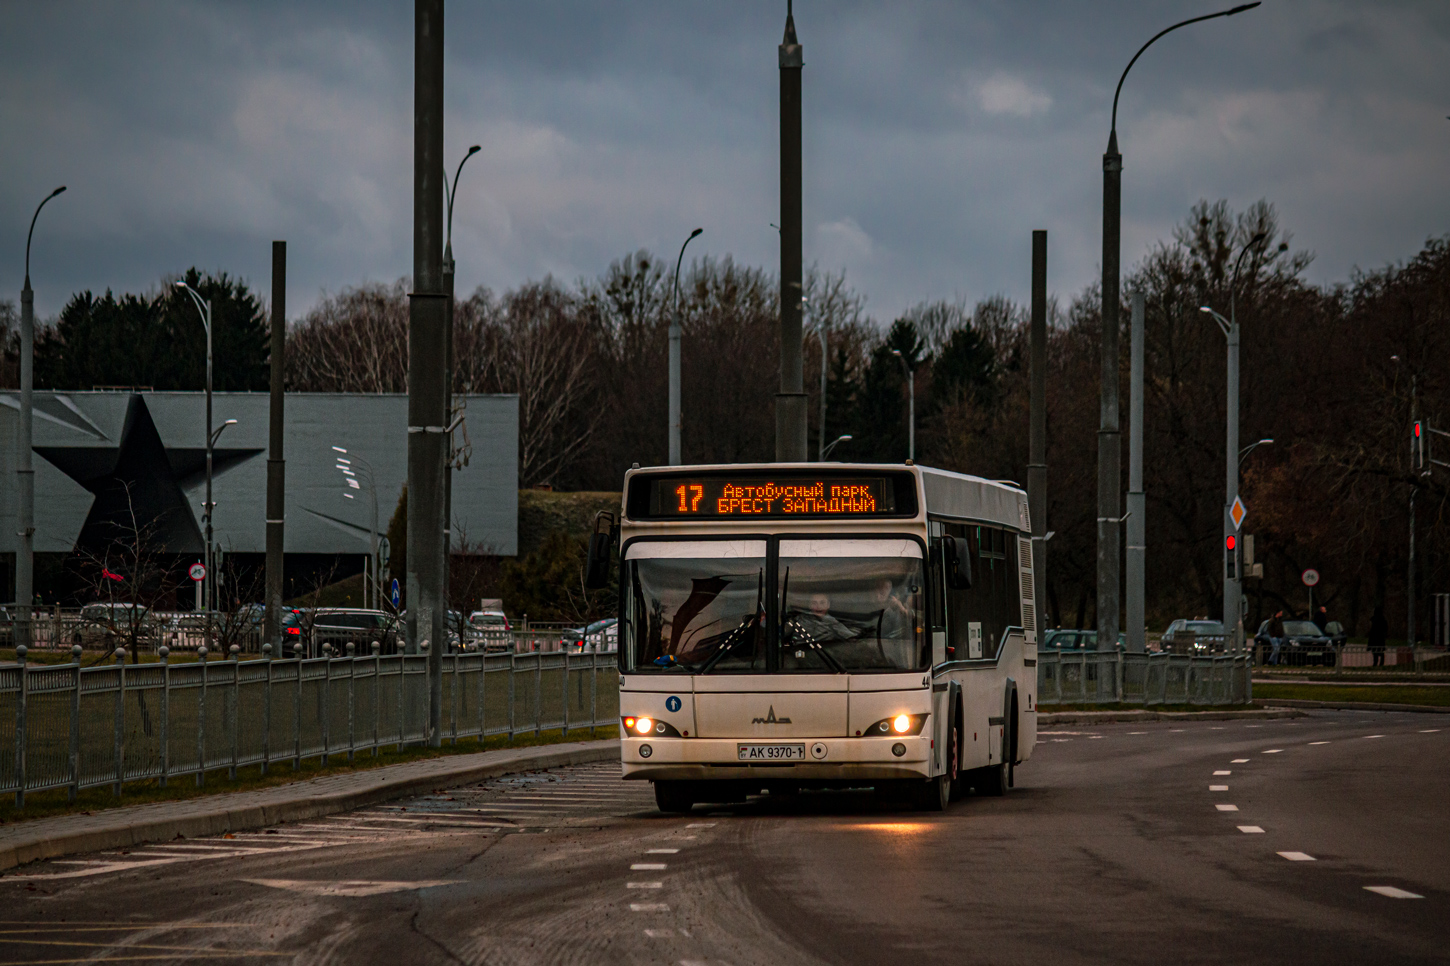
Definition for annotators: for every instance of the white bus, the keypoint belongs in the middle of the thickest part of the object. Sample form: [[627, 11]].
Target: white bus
[[822, 625]]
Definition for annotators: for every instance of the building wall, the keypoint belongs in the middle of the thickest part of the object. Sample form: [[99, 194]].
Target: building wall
[[78, 434]]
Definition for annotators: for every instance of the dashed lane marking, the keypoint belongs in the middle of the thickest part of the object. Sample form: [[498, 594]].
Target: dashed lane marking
[[648, 866], [1393, 892], [1218, 788], [649, 907], [659, 933], [1251, 830], [1222, 772], [1239, 761], [1424, 731], [1137, 732], [701, 825], [662, 851], [644, 885], [1298, 856], [351, 888], [1319, 742], [1226, 808], [1273, 751], [1374, 736]]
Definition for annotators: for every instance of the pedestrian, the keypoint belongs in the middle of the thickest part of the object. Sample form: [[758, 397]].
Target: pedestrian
[[1379, 630], [1321, 619], [1276, 635]]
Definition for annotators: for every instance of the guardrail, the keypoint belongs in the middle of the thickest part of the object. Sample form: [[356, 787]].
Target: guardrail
[[1117, 677], [80, 727]]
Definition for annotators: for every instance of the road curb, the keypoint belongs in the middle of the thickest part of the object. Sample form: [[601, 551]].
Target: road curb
[[215, 816], [1113, 717], [1357, 705]]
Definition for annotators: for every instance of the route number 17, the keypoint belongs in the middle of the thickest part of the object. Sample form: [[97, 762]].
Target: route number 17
[[690, 501]]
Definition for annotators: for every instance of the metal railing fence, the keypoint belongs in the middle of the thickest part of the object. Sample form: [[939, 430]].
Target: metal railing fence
[[80, 727], [1117, 677]]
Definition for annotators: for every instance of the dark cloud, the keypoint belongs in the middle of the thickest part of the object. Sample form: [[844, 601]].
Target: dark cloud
[[938, 135]]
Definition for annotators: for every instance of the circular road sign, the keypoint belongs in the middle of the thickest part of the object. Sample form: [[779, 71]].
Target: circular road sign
[[1311, 577], [196, 572]]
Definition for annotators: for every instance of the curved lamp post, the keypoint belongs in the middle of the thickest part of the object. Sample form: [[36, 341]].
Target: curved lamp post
[[24, 467], [834, 443], [676, 418], [1110, 517], [203, 306]]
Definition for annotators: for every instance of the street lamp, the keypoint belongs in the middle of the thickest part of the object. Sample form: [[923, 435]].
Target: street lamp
[[204, 307], [435, 667], [1232, 586], [1244, 453], [676, 419], [24, 468], [911, 405], [345, 463], [834, 443], [1109, 432]]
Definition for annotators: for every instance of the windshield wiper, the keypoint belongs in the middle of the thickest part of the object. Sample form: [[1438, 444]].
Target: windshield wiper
[[729, 641], [794, 627]]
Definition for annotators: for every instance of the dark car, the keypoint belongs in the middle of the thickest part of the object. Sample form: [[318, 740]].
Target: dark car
[[1194, 637], [340, 626], [1073, 640], [1304, 644]]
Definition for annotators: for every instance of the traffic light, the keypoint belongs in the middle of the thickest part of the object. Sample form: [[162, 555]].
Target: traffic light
[[1231, 557]]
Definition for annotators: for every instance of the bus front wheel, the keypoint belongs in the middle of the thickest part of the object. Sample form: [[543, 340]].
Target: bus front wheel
[[673, 797]]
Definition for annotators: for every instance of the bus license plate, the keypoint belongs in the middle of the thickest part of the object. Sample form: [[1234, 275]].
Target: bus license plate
[[771, 752]]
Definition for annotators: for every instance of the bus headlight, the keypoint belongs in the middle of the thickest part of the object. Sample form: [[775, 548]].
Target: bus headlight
[[897, 724], [644, 726]]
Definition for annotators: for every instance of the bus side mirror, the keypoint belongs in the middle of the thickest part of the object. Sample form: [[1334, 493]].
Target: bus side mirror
[[957, 558], [601, 543]]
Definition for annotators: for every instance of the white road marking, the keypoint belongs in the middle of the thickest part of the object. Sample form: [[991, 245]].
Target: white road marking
[[1091, 737], [1394, 893], [1239, 761], [646, 866], [1273, 751], [349, 887], [1175, 731], [701, 825], [1297, 856], [1216, 729], [1251, 830], [1374, 736], [1137, 732], [644, 885], [1223, 772], [1424, 731], [1226, 808], [659, 933], [1319, 742], [662, 851], [1218, 788], [649, 907]]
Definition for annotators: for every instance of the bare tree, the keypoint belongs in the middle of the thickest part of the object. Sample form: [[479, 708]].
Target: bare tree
[[355, 341]]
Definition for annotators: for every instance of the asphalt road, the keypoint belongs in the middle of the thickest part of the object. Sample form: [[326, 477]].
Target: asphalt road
[[1116, 846]]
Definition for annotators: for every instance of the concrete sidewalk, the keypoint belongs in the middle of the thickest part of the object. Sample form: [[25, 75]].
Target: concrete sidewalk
[[113, 828]]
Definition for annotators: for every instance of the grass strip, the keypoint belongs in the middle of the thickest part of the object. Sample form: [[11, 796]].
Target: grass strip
[[1177, 708], [250, 778], [1431, 696]]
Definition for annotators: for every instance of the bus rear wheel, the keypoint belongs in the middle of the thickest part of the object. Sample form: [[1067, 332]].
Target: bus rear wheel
[[673, 797]]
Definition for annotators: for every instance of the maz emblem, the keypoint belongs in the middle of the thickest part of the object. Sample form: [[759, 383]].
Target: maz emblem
[[770, 718]]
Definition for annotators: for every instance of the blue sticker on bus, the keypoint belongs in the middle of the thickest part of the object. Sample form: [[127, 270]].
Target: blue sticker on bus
[[672, 703]]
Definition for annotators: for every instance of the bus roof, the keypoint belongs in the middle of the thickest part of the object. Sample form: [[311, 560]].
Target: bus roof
[[944, 493]]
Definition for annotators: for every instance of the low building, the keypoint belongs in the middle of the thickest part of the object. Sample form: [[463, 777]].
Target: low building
[[107, 458]]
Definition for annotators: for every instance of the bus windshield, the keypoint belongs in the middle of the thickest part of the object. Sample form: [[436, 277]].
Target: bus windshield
[[696, 606], [851, 605], [843, 605]]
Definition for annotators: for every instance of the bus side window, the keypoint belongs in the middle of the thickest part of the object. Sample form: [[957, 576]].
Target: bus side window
[[937, 581]]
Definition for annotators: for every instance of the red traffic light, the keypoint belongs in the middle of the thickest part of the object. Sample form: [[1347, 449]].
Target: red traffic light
[[1417, 429], [1230, 541]]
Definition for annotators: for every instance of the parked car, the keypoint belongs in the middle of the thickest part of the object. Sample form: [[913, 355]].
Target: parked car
[[112, 625], [340, 626], [1186, 636], [1304, 644], [599, 636], [1061, 639], [489, 629]]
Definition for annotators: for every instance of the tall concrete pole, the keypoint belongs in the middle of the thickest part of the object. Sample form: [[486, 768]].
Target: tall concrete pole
[[1110, 460], [1137, 503], [24, 465], [276, 464], [1037, 429], [790, 402], [1232, 593], [427, 358]]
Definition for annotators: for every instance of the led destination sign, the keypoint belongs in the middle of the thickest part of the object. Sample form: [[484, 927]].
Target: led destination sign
[[678, 497]]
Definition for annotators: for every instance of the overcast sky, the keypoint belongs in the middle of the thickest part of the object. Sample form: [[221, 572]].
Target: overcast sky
[[937, 136]]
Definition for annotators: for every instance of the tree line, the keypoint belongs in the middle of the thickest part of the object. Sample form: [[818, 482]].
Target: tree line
[[1334, 374]]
